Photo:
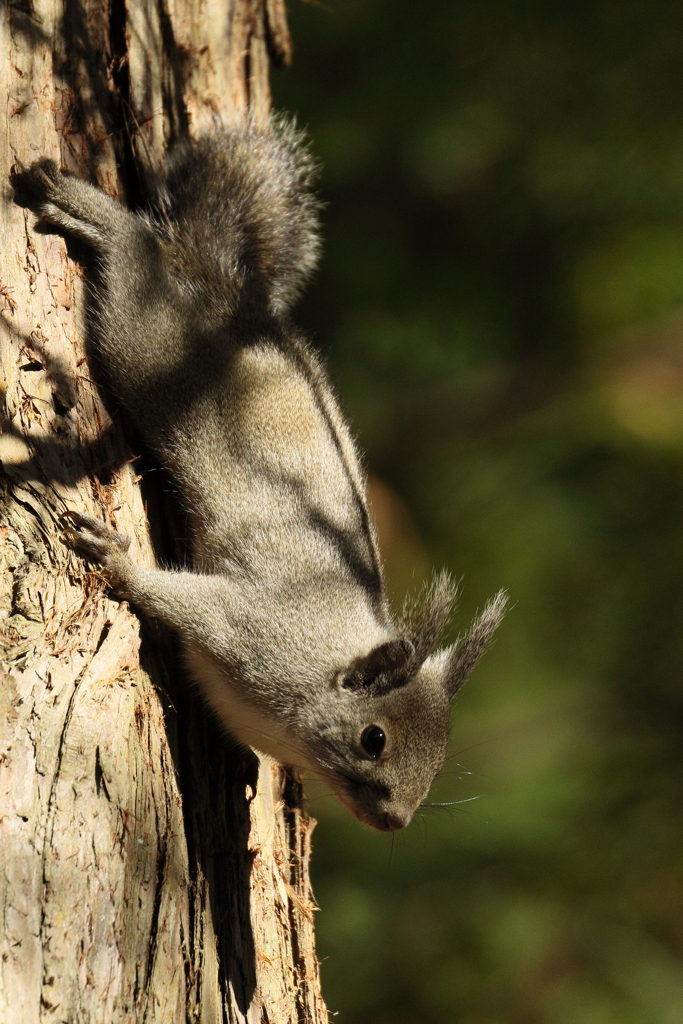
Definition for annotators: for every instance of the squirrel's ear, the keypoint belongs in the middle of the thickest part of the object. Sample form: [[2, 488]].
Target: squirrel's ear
[[424, 617], [386, 663], [393, 656], [466, 652]]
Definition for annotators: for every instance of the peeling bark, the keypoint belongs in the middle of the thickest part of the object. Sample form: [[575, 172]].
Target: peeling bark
[[150, 870]]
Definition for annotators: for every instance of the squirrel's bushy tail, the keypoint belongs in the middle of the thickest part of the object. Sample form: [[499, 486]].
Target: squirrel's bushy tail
[[237, 215]]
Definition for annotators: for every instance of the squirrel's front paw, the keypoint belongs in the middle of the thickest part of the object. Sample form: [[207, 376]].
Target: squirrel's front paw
[[97, 541], [36, 185]]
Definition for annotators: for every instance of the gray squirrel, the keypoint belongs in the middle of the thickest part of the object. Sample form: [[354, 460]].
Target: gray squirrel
[[283, 616]]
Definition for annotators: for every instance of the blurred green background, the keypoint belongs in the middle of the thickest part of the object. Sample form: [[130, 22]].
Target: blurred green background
[[501, 303]]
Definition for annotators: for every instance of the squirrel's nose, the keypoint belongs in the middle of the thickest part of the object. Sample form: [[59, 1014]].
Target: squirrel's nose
[[393, 821]]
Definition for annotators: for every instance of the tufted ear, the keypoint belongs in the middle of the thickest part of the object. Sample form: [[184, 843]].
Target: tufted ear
[[424, 618], [464, 655], [383, 668]]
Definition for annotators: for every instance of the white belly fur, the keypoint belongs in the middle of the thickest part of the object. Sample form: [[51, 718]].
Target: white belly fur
[[243, 720]]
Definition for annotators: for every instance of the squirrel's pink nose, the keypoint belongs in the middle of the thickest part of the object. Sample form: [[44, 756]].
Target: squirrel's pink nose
[[392, 822]]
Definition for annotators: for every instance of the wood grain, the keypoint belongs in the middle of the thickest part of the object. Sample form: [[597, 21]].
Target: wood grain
[[150, 870]]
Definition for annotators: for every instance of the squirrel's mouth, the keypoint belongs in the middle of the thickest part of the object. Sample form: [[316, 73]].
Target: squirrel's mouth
[[381, 819]]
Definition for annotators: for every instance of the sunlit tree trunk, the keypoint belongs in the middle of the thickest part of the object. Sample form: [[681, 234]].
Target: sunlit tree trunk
[[149, 871]]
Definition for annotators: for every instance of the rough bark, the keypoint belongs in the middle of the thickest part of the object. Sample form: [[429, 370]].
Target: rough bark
[[149, 870]]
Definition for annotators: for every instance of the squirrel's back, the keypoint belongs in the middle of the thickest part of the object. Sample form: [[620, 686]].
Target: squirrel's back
[[238, 219]]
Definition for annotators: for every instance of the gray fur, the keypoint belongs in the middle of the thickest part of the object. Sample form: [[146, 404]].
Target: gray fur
[[284, 618]]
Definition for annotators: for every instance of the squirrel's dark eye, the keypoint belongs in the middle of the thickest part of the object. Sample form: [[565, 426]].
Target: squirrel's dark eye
[[373, 740]]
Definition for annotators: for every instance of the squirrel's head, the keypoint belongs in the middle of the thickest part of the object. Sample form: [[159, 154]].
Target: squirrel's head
[[383, 739]]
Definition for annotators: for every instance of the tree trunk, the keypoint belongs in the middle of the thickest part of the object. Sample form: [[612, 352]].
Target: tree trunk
[[150, 870]]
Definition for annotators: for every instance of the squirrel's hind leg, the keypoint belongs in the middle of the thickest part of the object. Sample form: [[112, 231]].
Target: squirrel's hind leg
[[75, 206], [140, 321]]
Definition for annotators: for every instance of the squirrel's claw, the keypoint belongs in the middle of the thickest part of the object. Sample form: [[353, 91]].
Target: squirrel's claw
[[34, 185], [91, 537]]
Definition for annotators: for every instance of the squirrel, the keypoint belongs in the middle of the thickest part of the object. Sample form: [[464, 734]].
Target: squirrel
[[283, 616]]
